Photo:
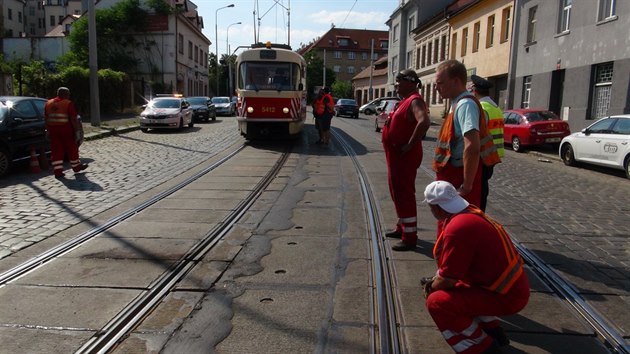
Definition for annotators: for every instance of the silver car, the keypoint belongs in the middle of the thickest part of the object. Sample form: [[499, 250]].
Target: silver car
[[166, 113]]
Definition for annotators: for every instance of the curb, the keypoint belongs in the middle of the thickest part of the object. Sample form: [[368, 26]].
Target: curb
[[110, 132]]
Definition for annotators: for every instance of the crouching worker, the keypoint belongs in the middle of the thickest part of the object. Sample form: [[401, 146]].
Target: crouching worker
[[480, 274]]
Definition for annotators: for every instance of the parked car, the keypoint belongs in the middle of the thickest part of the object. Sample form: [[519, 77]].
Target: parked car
[[171, 112], [346, 107], [605, 143], [203, 108], [224, 106], [22, 128], [528, 127], [383, 110], [370, 107]]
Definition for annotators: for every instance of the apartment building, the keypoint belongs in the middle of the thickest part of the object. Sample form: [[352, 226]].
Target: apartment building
[[54, 12], [372, 80], [13, 18], [572, 57]]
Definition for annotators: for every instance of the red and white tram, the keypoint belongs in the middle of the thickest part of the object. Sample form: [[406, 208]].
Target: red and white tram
[[271, 89]]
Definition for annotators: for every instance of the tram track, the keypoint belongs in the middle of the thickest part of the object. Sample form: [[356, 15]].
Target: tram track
[[108, 337]]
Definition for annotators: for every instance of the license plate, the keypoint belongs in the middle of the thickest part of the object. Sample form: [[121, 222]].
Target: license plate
[[552, 140]]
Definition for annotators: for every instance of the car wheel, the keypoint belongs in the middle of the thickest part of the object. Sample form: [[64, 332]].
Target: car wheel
[[181, 124], [627, 166], [356, 116], [376, 128], [144, 130], [5, 162], [191, 124], [567, 155], [516, 144], [368, 112]]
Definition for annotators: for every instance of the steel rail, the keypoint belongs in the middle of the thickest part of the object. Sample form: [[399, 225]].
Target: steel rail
[[388, 335], [110, 335], [43, 258]]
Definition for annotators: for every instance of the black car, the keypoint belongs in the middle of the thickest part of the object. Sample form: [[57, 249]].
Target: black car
[[22, 128], [203, 108], [347, 107]]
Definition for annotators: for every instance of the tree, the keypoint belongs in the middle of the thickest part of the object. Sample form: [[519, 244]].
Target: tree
[[315, 75], [342, 89]]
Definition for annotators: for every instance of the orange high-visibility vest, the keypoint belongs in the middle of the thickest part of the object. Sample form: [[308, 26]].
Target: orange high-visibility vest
[[488, 151], [512, 271], [56, 112], [320, 105]]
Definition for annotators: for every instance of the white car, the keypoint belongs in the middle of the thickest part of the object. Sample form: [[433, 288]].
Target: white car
[[605, 143], [224, 106], [166, 113]]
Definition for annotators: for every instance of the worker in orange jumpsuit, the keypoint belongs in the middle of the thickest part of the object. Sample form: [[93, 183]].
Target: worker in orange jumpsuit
[[64, 131], [402, 141], [480, 274]]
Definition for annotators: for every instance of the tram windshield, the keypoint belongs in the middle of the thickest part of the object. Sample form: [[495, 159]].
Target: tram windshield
[[257, 75]]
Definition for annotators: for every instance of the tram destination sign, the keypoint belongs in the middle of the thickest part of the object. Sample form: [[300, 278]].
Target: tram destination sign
[[268, 54]]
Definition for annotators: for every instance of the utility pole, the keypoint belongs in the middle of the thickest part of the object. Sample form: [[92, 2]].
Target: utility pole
[[95, 113], [370, 90]]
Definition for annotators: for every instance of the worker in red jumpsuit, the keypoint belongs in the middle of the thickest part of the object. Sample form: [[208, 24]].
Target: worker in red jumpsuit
[[480, 274], [402, 141], [64, 131]]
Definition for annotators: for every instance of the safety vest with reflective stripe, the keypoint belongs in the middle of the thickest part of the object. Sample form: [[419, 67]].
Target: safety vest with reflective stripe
[[514, 268], [488, 151], [495, 125], [57, 112]]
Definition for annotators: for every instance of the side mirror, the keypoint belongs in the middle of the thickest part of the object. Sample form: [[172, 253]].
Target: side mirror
[[586, 131]]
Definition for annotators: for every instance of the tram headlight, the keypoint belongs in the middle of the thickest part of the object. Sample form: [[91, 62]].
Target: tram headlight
[[285, 110], [250, 109]]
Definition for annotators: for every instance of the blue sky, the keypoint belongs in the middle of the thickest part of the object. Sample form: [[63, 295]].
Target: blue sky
[[308, 19]]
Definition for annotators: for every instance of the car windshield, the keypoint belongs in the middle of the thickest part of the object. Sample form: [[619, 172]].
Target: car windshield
[[348, 102], [174, 103], [540, 116], [198, 100], [220, 100]]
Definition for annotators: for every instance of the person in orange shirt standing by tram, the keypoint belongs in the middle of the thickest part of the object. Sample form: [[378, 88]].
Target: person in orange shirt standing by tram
[[323, 112], [65, 132], [402, 141], [480, 274]]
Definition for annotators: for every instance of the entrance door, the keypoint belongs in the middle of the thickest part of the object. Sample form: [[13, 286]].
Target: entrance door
[[555, 94]]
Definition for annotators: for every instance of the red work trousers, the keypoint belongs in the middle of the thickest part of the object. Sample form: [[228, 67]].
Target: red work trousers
[[62, 141], [455, 175], [401, 177], [463, 312]]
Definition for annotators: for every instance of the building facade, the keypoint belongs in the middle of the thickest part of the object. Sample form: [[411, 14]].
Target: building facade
[[372, 80], [572, 57]]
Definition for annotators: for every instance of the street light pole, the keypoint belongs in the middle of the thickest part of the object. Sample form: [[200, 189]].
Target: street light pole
[[227, 48], [216, 41]]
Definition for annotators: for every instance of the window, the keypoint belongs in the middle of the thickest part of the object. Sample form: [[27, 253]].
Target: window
[[343, 42], [411, 23], [464, 40], [409, 58], [9, 14], [352, 55], [31, 11], [527, 90], [384, 44], [350, 69], [453, 45], [476, 34], [395, 33], [531, 25], [490, 32], [60, 19], [429, 51], [337, 54], [505, 24], [394, 65], [424, 55], [196, 54], [606, 9], [602, 90], [180, 43], [443, 49], [364, 56], [52, 20], [418, 58], [190, 48], [374, 56], [337, 68], [565, 16], [436, 50]]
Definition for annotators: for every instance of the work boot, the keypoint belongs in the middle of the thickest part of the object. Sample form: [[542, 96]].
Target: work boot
[[59, 175], [394, 234], [80, 168], [498, 335], [401, 246]]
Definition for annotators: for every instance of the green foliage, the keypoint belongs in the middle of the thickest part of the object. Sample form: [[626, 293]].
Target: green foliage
[[160, 7], [341, 89], [315, 73]]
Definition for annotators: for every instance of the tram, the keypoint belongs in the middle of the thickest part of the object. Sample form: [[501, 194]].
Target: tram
[[271, 91]]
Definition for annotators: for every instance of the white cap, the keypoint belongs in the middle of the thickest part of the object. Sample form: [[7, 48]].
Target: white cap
[[445, 195]]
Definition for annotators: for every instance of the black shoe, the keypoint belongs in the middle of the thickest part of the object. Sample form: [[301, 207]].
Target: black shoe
[[401, 246], [498, 335], [394, 234], [59, 175], [80, 168]]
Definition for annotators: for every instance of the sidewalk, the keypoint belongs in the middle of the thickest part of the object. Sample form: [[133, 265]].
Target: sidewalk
[[110, 125]]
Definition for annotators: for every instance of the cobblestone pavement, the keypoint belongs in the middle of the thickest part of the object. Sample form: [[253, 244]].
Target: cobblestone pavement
[[36, 206]]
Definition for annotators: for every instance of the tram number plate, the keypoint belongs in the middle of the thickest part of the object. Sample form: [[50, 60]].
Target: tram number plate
[[268, 109]]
